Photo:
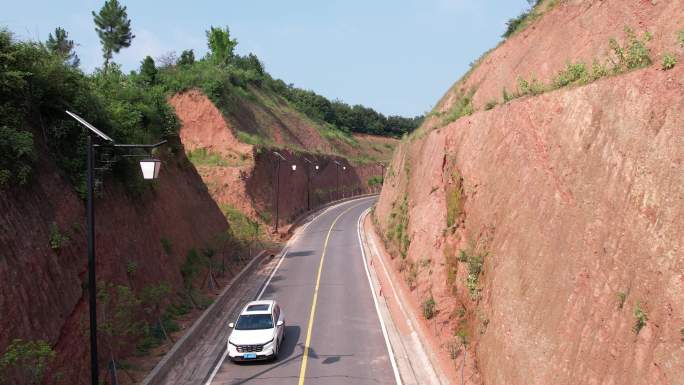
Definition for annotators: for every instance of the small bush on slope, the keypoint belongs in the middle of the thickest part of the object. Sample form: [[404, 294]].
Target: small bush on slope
[[669, 61]]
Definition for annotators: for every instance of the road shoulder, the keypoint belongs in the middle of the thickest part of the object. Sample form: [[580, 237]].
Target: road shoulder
[[414, 360]]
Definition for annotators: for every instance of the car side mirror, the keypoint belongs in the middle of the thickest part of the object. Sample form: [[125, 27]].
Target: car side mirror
[[231, 325], [279, 323]]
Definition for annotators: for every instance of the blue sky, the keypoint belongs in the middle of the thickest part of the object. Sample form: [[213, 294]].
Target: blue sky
[[398, 57]]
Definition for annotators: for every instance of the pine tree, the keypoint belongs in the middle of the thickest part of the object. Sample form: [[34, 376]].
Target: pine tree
[[114, 29], [148, 71], [187, 58], [62, 46]]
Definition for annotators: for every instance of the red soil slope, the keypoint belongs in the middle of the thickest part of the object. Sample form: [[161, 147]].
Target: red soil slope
[[245, 180], [575, 199], [576, 196], [571, 31], [43, 291]]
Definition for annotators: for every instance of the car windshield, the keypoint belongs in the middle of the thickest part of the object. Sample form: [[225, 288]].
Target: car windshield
[[254, 322]]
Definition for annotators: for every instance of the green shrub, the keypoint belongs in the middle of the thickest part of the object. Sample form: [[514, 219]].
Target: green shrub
[[374, 181], [131, 268], [669, 61], [680, 36], [429, 308], [573, 73], [598, 70], [25, 360], [640, 318], [533, 87], [57, 239], [632, 54], [475, 263], [16, 154]]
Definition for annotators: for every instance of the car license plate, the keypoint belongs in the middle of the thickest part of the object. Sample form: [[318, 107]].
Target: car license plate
[[250, 355]]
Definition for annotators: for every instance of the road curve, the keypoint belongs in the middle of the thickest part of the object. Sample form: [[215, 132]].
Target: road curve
[[346, 344]]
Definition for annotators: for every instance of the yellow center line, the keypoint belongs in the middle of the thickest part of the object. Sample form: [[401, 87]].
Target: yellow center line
[[302, 371]]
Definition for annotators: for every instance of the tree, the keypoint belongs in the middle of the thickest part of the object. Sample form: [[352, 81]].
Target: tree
[[187, 58], [148, 71], [221, 45], [153, 298], [114, 29], [62, 46]]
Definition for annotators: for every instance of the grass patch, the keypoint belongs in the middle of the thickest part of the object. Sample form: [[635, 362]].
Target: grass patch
[[203, 157], [241, 226], [463, 106], [398, 227], [454, 200], [255, 140], [629, 55]]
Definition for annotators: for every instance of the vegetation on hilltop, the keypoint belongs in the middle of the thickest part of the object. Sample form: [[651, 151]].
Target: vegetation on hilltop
[[39, 81]]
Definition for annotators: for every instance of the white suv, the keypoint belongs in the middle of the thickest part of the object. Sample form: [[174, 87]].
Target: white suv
[[257, 333]]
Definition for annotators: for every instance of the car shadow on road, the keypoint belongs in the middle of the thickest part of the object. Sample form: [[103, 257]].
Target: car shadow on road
[[302, 253]]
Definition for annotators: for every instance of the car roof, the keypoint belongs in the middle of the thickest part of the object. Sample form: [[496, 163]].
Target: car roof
[[259, 307]]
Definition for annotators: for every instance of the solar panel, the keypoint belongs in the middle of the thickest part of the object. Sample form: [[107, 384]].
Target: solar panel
[[90, 126]]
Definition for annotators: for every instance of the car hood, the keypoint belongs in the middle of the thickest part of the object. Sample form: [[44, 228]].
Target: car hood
[[251, 337]]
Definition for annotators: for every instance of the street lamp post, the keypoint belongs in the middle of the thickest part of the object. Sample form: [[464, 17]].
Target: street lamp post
[[338, 164], [150, 170], [308, 183], [277, 189], [382, 178]]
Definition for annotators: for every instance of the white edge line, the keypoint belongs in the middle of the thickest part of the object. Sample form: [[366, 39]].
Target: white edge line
[[287, 248], [397, 377], [270, 277]]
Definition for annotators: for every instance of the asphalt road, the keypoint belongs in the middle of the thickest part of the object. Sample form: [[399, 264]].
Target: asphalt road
[[346, 343]]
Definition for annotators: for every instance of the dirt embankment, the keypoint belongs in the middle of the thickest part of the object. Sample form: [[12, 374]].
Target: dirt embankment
[[548, 230], [244, 176], [568, 31], [574, 200], [43, 287]]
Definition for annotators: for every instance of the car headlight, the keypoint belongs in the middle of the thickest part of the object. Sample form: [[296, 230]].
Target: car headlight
[[232, 343], [268, 342]]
